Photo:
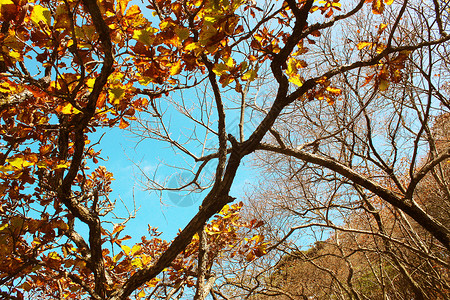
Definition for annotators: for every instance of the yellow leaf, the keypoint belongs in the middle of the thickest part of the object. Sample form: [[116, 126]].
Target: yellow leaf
[[62, 165], [191, 47], [122, 5], [54, 255], [382, 27], [90, 83], [388, 2], [3, 227], [19, 163], [135, 249], [14, 54], [250, 75], [377, 7], [163, 25], [146, 259], [220, 69], [334, 90], [229, 62], [296, 80], [68, 109], [141, 294], [224, 210], [125, 249], [40, 14], [362, 45], [145, 36], [176, 68], [136, 262]]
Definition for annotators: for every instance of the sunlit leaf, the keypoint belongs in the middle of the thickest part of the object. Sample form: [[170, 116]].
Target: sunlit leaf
[[176, 68], [40, 14], [3, 227], [296, 80], [362, 45], [123, 123], [378, 6], [145, 36], [117, 257], [19, 163], [135, 249], [334, 90], [137, 262], [125, 249], [62, 165]]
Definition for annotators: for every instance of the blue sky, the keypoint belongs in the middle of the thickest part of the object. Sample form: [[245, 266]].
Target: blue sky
[[122, 153]]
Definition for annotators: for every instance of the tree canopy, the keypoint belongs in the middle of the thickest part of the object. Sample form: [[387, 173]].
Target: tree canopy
[[341, 106]]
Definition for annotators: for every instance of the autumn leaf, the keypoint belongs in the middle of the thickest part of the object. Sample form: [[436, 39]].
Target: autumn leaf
[[362, 45], [334, 90], [123, 124], [383, 85], [135, 249], [377, 6], [176, 68], [137, 262], [118, 228], [296, 80], [122, 6], [67, 109], [182, 33], [19, 163], [145, 36], [40, 14], [117, 257]]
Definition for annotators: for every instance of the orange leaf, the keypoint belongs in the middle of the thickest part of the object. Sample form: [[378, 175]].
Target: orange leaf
[[123, 124]]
